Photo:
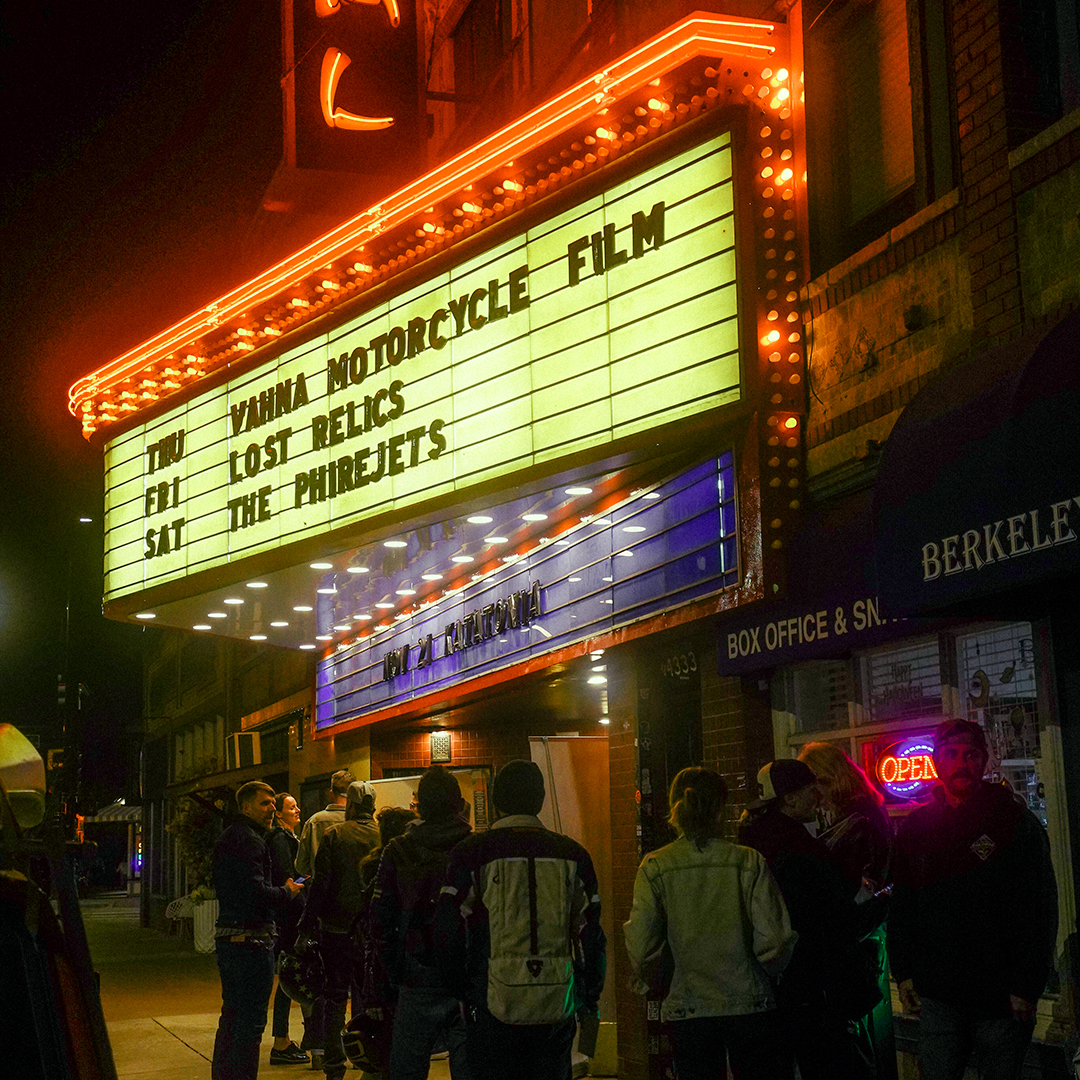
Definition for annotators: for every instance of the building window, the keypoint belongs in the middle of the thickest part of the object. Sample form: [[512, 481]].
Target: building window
[[878, 118]]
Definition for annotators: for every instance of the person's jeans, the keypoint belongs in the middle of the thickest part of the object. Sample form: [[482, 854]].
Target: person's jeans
[[948, 1036], [426, 1017], [339, 964], [752, 1042], [247, 977], [499, 1051]]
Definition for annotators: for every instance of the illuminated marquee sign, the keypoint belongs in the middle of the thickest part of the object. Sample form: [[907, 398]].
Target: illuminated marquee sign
[[906, 769], [614, 318]]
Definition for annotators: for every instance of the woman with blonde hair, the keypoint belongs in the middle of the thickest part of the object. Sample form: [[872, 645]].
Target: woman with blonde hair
[[708, 931], [857, 833]]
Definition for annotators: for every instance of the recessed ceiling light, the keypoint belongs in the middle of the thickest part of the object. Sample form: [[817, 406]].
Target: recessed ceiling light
[[365, 617], [574, 579], [600, 667], [633, 528], [302, 607], [601, 521], [385, 604], [258, 637], [279, 623], [405, 592], [322, 566], [562, 543], [216, 615], [651, 495], [146, 615], [607, 579], [357, 570], [494, 539], [605, 720], [511, 558], [480, 519], [324, 637], [625, 554], [596, 654], [308, 646], [607, 601], [461, 558], [395, 543], [578, 491], [257, 585], [329, 590], [85, 520], [201, 626], [342, 627], [596, 680], [534, 517], [234, 600], [432, 576]]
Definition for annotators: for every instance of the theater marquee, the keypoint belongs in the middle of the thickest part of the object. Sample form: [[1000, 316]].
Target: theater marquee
[[614, 318]]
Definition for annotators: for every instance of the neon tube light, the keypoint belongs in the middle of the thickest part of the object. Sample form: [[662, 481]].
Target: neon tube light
[[333, 65], [700, 34]]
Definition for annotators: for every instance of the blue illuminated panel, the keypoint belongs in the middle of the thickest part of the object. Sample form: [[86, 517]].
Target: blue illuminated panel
[[651, 553]]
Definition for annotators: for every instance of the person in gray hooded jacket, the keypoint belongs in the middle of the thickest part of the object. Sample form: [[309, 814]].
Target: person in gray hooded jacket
[[709, 931]]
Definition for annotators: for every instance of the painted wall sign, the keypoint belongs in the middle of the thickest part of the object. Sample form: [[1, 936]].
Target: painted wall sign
[[906, 769], [650, 553], [535, 351]]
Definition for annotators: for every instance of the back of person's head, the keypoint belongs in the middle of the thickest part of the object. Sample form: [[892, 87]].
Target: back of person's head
[[340, 781], [438, 795], [359, 800], [842, 780], [696, 797], [519, 788], [251, 790], [393, 821]]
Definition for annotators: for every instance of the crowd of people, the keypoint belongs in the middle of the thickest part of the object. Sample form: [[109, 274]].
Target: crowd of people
[[770, 953]]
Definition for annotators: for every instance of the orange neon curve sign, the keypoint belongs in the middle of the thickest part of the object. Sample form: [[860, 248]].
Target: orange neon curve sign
[[700, 34], [326, 8], [333, 64]]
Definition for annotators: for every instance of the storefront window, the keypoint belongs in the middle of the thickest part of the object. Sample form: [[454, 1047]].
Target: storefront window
[[904, 682]]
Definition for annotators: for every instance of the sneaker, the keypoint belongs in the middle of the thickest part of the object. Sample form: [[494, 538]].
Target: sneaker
[[291, 1055]]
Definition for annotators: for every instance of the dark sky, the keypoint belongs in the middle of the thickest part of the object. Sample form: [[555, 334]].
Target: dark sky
[[138, 139]]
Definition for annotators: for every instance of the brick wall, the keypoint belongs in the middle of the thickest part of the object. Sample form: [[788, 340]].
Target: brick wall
[[492, 745]]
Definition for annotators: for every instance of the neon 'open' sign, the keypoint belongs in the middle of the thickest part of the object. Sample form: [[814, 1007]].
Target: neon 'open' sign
[[906, 769]]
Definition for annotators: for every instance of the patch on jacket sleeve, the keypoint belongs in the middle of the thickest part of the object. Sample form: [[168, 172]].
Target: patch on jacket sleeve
[[984, 847]]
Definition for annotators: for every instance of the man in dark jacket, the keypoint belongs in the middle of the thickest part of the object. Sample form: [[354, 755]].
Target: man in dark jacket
[[411, 874], [823, 914], [974, 918], [334, 901], [519, 930], [249, 907]]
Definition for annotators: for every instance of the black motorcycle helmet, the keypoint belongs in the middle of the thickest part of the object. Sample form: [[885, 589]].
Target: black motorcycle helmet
[[366, 1040], [300, 974]]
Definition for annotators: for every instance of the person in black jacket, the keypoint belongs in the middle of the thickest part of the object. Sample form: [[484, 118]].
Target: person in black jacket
[[249, 909], [334, 900], [283, 844], [973, 922], [814, 990], [411, 874]]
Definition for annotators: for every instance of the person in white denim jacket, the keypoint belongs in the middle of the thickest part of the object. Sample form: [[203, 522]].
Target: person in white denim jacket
[[709, 931]]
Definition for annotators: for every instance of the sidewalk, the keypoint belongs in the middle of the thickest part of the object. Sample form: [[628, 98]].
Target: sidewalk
[[161, 999]]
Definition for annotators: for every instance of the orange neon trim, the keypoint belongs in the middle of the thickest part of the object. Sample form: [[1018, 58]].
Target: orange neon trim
[[699, 34], [334, 63]]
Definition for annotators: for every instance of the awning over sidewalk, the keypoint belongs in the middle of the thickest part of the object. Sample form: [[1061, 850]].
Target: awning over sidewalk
[[116, 812], [979, 488]]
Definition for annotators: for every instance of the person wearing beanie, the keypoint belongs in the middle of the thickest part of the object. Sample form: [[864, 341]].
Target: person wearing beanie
[[519, 937], [824, 991]]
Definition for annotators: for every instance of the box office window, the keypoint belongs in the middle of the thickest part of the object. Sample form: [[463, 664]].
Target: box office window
[[989, 674]]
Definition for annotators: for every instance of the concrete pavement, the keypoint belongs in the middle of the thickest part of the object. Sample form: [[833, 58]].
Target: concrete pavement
[[161, 998]]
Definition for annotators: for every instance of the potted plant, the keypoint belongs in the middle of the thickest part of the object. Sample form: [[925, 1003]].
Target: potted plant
[[196, 828]]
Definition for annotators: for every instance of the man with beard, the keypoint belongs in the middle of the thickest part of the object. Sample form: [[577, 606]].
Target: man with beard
[[973, 924]]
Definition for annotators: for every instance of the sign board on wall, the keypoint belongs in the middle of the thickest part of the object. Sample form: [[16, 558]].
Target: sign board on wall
[[614, 318], [648, 554]]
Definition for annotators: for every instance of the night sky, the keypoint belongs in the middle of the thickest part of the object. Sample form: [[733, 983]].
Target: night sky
[[138, 140]]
